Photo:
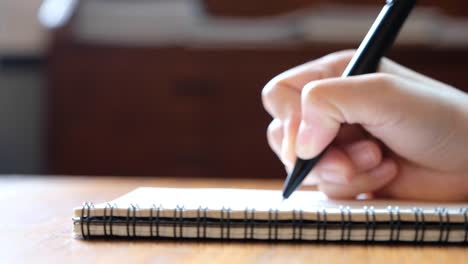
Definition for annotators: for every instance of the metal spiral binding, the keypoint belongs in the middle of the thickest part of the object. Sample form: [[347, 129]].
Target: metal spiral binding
[[111, 219], [419, 225], [181, 221], [464, 211], [200, 222], [370, 223], [317, 224], [321, 223], [154, 221], [105, 218], [205, 221], [276, 223], [345, 223], [221, 224], [301, 223], [394, 224], [245, 223], [229, 223], [132, 208], [273, 224], [178, 220], [82, 218], [270, 223], [324, 212], [342, 222], [249, 222], [294, 224], [225, 222], [151, 220], [86, 207], [252, 223], [297, 223], [444, 223], [108, 220]]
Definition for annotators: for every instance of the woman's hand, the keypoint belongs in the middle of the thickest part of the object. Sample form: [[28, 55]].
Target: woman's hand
[[395, 133]]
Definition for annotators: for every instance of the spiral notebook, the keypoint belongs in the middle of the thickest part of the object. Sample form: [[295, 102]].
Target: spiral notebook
[[245, 214]]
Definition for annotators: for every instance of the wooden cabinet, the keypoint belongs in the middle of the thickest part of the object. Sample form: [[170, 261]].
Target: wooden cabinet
[[173, 111], [154, 112], [269, 7]]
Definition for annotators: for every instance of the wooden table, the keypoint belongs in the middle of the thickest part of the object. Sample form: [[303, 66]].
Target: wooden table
[[36, 225]]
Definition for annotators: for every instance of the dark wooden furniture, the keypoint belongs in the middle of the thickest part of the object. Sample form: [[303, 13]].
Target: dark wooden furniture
[[178, 111], [268, 7]]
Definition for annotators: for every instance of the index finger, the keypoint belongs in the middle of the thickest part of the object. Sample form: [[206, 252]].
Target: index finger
[[282, 95]]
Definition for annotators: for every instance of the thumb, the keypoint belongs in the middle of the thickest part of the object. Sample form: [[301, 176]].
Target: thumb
[[393, 109]]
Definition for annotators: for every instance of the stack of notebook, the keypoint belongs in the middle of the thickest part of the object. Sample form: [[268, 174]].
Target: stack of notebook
[[262, 215]]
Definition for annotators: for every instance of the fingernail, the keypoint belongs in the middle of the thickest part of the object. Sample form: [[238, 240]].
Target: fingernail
[[361, 155], [333, 176], [303, 142]]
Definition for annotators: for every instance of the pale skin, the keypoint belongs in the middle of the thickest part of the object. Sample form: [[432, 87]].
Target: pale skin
[[394, 134]]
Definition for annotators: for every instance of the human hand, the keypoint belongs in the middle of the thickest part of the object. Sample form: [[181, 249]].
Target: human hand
[[395, 133]]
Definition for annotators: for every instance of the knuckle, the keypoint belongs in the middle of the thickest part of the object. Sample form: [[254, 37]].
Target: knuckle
[[385, 79], [274, 126], [334, 59], [273, 137], [386, 83], [267, 91], [313, 92], [323, 72], [280, 99], [344, 54], [347, 53], [270, 93], [271, 140]]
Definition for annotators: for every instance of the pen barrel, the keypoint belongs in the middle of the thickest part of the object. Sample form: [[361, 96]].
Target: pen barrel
[[380, 37]]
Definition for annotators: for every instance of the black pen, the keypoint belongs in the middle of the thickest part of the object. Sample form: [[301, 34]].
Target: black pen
[[378, 40]]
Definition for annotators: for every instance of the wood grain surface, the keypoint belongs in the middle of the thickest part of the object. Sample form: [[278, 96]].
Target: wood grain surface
[[35, 227]]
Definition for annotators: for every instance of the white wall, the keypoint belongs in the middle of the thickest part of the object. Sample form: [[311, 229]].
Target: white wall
[[20, 30]]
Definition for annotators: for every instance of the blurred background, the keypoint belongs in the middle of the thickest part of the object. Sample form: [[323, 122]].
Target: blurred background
[[172, 87]]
